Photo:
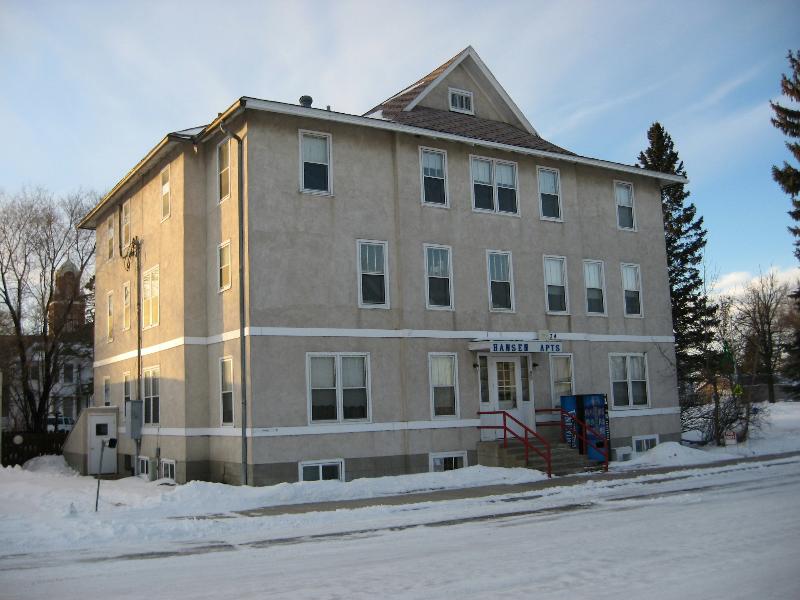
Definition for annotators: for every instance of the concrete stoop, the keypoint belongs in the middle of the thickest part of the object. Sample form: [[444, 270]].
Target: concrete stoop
[[564, 460]]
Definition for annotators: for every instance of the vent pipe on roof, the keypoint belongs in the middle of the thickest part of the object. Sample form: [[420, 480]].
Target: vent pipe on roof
[[305, 101]]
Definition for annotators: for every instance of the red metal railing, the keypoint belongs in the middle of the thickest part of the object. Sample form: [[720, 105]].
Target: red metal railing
[[568, 421], [527, 442]]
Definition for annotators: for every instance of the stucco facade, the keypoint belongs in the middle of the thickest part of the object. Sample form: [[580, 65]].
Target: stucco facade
[[301, 282]]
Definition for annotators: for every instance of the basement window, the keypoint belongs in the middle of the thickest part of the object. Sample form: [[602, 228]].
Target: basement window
[[643, 443], [332, 470], [461, 101], [168, 469], [144, 466], [446, 461]]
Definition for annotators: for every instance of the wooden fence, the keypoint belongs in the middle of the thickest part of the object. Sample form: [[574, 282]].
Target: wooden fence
[[19, 447]]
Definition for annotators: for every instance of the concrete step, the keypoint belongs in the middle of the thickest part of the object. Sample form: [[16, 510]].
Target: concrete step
[[564, 460]]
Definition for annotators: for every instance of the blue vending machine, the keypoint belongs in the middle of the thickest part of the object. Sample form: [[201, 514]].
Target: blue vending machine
[[591, 409]]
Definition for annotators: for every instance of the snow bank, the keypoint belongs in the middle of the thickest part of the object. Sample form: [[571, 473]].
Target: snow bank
[[50, 464], [672, 454]]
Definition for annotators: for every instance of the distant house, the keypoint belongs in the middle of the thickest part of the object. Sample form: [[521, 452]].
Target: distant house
[[387, 276]]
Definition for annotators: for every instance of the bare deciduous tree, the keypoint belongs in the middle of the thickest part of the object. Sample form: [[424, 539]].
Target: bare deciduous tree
[[38, 233]]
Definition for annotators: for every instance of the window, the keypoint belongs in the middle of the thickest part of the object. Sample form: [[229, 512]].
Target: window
[[224, 266], [110, 237], [338, 387], [150, 297], [144, 466], [443, 377], [643, 443], [168, 469], [501, 283], [126, 391], [483, 377], [623, 192], [223, 170], [110, 316], [632, 288], [628, 380], [549, 194], [151, 395], [315, 162], [434, 176], [560, 377], [126, 223], [69, 373], [438, 277], [494, 185], [106, 391], [165, 194], [446, 461], [372, 292], [461, 101], [595, 282], [34, 370], [322, 470], [226, 390], [126, 305], [100, 429], [555, 280]]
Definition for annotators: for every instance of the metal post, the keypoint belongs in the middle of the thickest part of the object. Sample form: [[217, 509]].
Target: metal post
[[99, 474]]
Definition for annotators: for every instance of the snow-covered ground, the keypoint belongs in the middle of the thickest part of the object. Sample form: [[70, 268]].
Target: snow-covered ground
[[710, 532]]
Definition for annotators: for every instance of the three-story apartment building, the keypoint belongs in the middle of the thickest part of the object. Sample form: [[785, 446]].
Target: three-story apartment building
[[374, 281]]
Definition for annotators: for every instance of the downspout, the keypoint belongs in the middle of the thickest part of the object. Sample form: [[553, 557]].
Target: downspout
[[242, 340]]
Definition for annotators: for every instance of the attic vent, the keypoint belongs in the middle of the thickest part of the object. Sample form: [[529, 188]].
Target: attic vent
[[305, 101], [461, 101]]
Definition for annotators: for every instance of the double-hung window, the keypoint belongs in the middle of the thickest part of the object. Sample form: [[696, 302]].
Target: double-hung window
[[224, 266], [628, 380], [106, 391], [315, 158], [338, 387], [224, 170], [434, 176], [110, 237], [501, 281], [226, 390], [152, 397], [632, 289], [594, 279], [623, 193], [165, 193], [438, 277], [555, 279], [461, 101], [126, 305], [494, 185], [150, 297], [126, 223], [372, 263], [69, 373], [560, 376], [549, 194], [443, 376], [110, 316], [126, 391]]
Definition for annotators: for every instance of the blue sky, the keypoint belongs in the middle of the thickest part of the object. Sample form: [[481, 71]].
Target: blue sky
[[89, 87]]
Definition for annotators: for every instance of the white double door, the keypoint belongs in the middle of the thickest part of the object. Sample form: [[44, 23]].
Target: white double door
[[505, 386]]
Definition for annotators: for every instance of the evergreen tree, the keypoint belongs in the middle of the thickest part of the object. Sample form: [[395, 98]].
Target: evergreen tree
[[693, 315]]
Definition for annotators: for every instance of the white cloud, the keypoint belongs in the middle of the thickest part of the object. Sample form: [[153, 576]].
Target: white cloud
[[734, 283]]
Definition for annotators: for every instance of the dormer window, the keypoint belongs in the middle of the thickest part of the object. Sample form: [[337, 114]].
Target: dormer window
[[461, 101]]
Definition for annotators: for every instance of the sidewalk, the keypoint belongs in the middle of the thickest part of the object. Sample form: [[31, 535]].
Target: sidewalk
[[494, 490]]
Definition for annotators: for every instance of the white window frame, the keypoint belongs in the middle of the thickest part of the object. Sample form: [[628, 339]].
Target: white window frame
[[109, 316], [106, 391], [495, 201], [126, 305], [329, 137], [586, 288], [125, 226], [455, 453], [387, 304], [630, 405], [126, 378], [110, 226], [320, 464], [167, 461], [510, 276], [470, 95], [639, 438], [157, 370], [168, 186], [223, 288], [337, 356], [560, 219], [449, 249], [550, 357], [640, 315], [222, 423], [454, 356], [422, 150], [147, 322], [633, 205], [565, 274], [144, 461], [217, 172]]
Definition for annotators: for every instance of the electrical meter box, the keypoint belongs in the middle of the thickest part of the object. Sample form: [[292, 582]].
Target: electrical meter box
[[134, 415]]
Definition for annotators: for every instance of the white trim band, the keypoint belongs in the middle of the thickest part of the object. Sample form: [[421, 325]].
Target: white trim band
[[620, 413]]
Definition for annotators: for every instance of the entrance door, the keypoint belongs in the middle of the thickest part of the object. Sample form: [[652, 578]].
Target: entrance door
[[502, 381], [102, 428]]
